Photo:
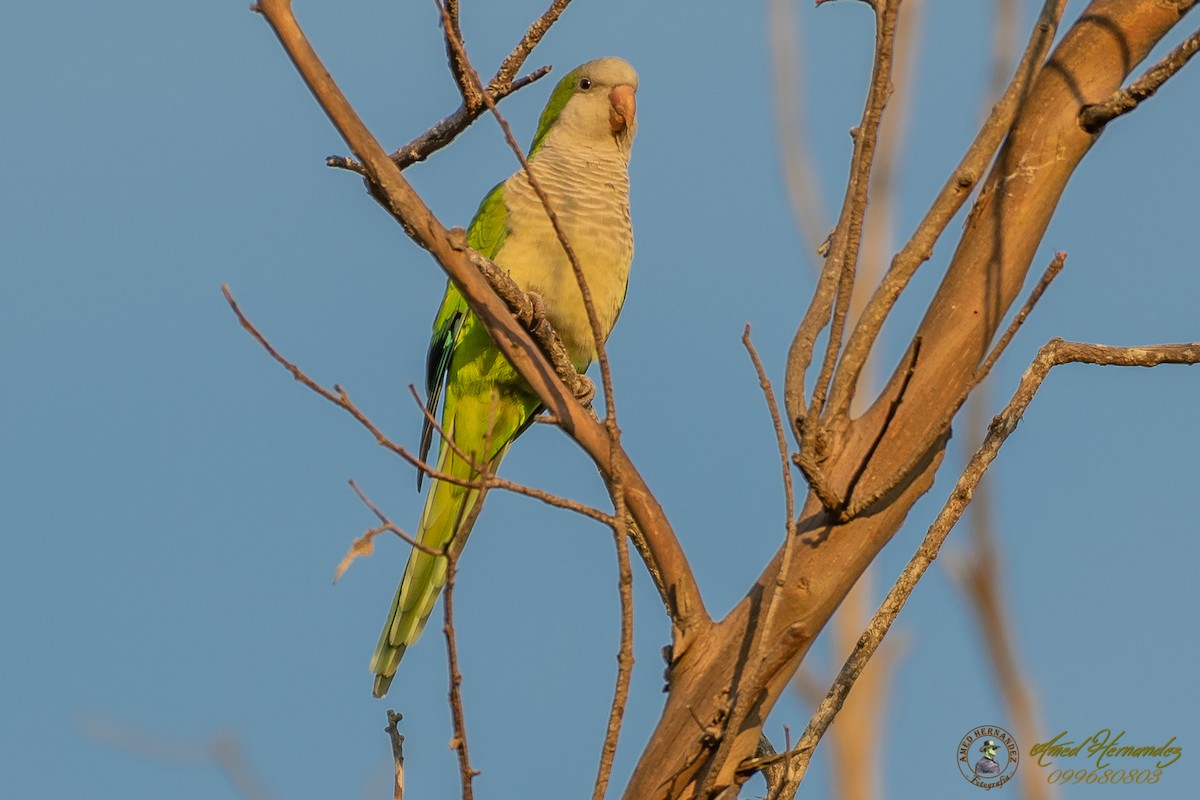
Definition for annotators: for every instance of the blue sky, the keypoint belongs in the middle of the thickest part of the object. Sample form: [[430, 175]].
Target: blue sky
[[173, 504]]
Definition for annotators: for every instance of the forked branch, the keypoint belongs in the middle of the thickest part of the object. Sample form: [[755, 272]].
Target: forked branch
[[832, 296], [950, 199], [502, 84], [1095, 116], [1054, 353]]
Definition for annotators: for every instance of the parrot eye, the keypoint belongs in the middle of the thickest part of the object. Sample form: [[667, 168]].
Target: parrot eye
[[585, 83]]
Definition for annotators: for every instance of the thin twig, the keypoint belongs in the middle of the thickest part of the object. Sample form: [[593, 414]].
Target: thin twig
[[843, 255], [1052, 269], [765, 662], [847, 236], [534, 34], [764, 383], [397, 740], [374, 509], [458, 716], [337, 395], [949, 200], [387, 524], [622, 530], [836, 284], [1094, 116], [620, 699], [789, 494], [854, 771], [466, 521], [365, 544], [1054, 353], [452, 32]]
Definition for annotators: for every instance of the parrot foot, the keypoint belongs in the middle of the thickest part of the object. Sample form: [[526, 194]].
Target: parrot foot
[[534, 316]]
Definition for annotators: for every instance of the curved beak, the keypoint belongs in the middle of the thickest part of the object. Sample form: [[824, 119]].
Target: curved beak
[[623, 113]]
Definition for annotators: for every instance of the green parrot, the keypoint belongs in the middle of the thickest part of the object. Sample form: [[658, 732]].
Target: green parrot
[[580, 158]]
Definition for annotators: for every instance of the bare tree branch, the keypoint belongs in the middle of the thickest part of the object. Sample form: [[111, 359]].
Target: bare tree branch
[[764, 383], [724, 677], [1053, 354], [1094, 116], [365, 544], [468, 88], [789, 497], [502, 84], [533, 36], [758, 672]]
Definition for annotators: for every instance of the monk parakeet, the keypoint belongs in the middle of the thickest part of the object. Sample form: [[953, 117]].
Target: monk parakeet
[[580, 158]]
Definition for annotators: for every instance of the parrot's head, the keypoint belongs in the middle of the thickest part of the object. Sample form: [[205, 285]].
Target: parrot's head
[[595, 103]]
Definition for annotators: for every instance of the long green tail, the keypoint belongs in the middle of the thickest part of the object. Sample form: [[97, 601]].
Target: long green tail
[[446, 508]]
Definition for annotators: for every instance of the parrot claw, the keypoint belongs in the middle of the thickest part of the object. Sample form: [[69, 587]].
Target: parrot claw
[[585, 390], [537, 310]]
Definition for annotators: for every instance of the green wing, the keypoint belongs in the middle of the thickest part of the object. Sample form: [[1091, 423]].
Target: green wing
[[486, 235], [489, 228]]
